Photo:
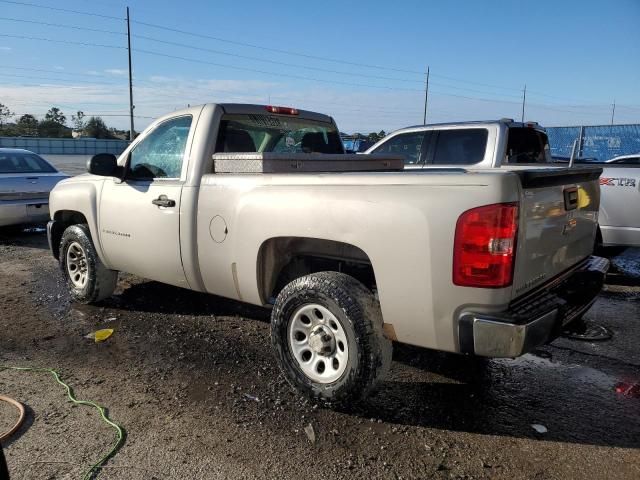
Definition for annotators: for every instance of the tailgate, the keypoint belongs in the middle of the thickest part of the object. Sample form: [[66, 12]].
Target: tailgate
[[558, 223]]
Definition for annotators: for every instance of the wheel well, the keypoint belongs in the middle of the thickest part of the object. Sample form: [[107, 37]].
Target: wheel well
[[63, 219], [283, 259]]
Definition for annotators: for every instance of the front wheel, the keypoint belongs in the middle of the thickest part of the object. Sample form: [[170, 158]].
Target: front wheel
[[326, 330], [89, 281]]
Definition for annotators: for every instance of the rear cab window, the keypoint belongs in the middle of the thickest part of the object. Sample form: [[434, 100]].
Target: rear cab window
[[410, 145], [460, 146], [527, 145], [276, 133]]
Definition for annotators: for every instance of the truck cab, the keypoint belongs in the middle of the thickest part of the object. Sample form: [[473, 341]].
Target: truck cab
[[479, 144]]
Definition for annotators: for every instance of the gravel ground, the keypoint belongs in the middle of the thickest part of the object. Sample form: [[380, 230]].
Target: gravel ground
[[192, 380]]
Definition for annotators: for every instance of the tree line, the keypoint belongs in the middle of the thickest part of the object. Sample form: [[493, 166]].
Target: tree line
[[54, 125]]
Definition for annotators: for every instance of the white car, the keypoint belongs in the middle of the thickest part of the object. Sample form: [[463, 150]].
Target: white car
[[26, 179], [626, 159]]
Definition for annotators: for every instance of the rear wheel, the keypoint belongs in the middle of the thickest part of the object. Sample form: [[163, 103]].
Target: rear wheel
[[89, 281], [326, 330]]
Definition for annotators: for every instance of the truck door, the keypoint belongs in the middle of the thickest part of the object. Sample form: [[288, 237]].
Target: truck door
[[139, 218]]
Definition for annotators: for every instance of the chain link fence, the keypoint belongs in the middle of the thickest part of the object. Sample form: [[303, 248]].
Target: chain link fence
[[599, 142]]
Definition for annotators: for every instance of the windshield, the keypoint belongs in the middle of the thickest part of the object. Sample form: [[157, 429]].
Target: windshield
[[18, 162], [276, 133], [528, 145]]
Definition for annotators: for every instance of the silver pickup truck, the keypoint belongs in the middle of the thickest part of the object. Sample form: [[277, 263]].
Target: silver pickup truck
[[260, 204], [620, 202], [512, 145]]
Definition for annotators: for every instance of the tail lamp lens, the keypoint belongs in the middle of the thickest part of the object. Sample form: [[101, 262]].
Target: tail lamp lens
[[282, 110], [484, 246]]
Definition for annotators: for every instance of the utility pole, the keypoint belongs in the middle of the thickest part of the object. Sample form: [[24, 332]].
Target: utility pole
[[131, 107], [426, 99], [613, 110], [524, 100]]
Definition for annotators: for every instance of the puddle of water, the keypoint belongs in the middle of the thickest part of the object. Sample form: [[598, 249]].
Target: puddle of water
[[628, 262]]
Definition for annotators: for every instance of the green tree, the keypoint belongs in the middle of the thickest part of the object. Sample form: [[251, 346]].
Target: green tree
[[52, 129], [96, 128], [5, 114], [55, 115], [27, 125], [78, 121]]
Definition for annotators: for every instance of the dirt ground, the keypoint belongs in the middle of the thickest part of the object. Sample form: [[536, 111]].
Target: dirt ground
[[192, 380]]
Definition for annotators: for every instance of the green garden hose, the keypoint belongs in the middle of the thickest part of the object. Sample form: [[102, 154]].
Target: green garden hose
[[92, 472]]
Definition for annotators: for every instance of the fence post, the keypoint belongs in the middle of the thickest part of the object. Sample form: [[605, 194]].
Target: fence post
[[580, 140]]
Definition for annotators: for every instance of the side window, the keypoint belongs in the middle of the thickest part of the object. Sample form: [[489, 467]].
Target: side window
[[460, 147], [407, 144], [160, 154]]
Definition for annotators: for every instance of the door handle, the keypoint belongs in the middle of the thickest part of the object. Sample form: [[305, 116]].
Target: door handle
[[163, 201]]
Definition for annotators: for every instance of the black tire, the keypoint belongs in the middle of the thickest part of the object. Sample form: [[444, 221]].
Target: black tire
[[100, 281], [358, 311]]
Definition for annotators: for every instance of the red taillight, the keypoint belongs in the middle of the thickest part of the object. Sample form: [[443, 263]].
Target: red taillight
[[484, 246], [282, 110]]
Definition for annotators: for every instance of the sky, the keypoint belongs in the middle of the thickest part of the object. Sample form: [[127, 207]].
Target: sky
[[364, 63]]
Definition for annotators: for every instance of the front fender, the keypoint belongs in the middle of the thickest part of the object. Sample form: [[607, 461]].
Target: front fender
[[81, 197]]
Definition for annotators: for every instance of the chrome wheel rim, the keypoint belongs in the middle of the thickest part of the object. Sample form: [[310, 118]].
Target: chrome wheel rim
[[318, 343], [77, 267]]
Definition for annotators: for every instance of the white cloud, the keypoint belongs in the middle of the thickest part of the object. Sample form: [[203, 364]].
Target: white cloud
[[160, 79], [115, 71], [58, 67], [5, 49], [92, 72]]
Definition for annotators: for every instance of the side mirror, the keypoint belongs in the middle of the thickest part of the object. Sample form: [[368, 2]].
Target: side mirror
[[104, 164]]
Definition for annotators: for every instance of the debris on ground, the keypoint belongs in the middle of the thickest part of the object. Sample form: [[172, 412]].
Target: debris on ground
[[628, 389], [311, 433], [251, 397], [587, 331], [100, 335], [539, 428]]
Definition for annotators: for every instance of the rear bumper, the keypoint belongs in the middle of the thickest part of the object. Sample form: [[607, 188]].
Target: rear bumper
[[23, 212], [535, 319]]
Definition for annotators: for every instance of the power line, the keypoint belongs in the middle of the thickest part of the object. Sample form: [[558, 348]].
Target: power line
[[66, 10], [56, 72], [278, 74], [68, 42], [266, 48], [247, 57], [57, 80], [275, 62], [88, 115], [276, 50], [269, 61], [61, 25], [455, 79]]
